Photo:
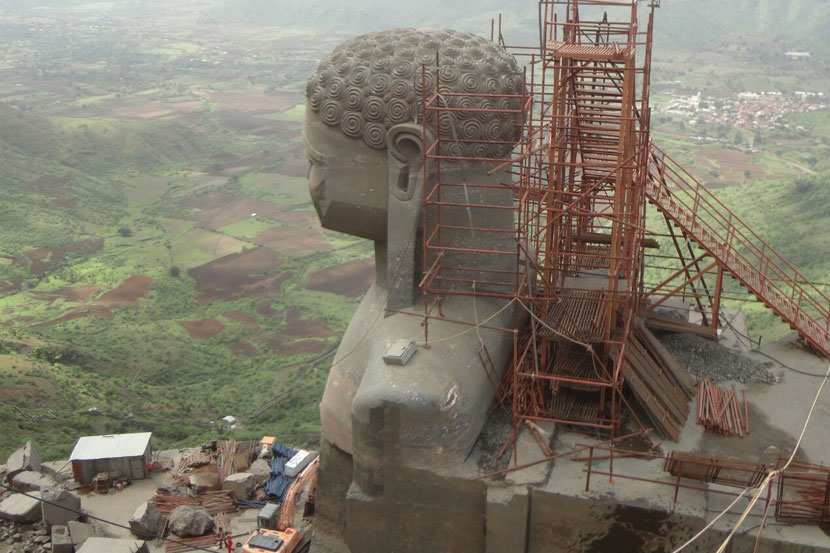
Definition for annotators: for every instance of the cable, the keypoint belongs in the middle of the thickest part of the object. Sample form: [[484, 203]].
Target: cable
[[768, 356], [105, 521], [776, 472], [760, 488], [472, 328]]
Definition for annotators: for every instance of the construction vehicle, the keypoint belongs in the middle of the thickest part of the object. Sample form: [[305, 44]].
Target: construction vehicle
[[284, 538]]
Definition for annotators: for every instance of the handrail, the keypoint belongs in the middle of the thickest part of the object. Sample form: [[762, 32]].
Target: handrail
[[740, 250]]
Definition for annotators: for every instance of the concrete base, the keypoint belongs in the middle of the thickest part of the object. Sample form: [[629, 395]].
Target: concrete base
[[546, 508]]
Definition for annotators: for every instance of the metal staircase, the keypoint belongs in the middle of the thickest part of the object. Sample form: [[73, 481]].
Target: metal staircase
[[737, 250]]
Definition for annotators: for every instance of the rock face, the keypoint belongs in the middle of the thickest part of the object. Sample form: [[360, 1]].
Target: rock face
[[30, 481], [190, 520], [25, 458], [21, 508], [261, 471], [202, 482], [146, 521], [241, 484], [61, 508]]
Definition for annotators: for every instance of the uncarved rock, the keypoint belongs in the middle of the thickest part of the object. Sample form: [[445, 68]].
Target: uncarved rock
[[81, 531], [202, 482], [25, 458], [21, 508], [62, 506], [61, 540], [241, 484], [146, 521], [59, 470], [261, 471], [30, 481], [190, 520]]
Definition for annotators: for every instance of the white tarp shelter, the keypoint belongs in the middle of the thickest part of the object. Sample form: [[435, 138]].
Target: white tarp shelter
[[130, 454]]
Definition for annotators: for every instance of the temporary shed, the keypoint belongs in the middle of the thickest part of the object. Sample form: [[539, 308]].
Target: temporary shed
[[130, 454]]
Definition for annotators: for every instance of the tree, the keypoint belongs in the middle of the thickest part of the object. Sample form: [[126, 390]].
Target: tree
[[175, 271], [125, 232]]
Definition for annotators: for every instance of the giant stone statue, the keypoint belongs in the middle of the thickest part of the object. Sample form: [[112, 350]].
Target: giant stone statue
[[395, 438]]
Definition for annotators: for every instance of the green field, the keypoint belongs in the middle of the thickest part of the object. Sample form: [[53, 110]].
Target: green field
[[157, 235]]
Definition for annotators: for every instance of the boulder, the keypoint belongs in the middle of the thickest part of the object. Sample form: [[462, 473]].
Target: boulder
[[63, 506], [261, 471], [25, 458], [81, 531], [59, 470], [30, 481], [61, 540], [190, 520], [21, 508], [241, 484], [202, 482], [146, 521]]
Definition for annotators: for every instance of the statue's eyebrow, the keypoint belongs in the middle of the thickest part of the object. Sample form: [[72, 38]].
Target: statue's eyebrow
[[313, 153]]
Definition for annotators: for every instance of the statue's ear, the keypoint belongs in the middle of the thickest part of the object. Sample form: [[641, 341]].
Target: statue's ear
[[405, 148]]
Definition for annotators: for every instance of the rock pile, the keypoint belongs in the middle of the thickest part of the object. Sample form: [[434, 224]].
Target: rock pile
[[707, 359], [25, 537]]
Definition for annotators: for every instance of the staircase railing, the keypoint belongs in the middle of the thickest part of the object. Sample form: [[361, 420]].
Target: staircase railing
[[740, 251]]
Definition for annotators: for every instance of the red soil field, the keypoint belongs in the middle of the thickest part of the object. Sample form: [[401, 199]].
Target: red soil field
[[293, 241], [264, 308], [80, 313], [240, 275], [297, 327], [349, 279], [63, 202], [126, 294], [203, 330], [241, 317], [244, 349], [75, 294]]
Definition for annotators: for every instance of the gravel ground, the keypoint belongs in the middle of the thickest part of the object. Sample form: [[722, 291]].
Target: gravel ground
[[493, 436], [707, 359]]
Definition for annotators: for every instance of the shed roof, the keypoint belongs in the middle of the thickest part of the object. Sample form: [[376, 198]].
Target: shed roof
[[110, 446]]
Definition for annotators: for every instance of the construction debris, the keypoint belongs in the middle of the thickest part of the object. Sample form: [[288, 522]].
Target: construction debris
[[215, 502], [662, 386], [720, 411]]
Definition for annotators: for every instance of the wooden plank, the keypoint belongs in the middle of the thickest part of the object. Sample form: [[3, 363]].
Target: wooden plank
[[680, 374]]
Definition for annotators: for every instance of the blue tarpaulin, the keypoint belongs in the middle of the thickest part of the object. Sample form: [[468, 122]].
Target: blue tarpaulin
[[279, 482]]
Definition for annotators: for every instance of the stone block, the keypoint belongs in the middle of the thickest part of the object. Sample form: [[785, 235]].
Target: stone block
[[30, 481], [241, 484], [59, 470], [202, 482], [81, 531], [25, 458], [190, 520], [261, 471], [63, 506], [146, 521], [61, 540], [21, 508], [113, 545]]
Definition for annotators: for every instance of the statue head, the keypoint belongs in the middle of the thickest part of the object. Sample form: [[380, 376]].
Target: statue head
[[363, 130]]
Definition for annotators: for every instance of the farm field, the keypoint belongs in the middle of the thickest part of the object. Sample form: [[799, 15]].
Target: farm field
[[160, 260]]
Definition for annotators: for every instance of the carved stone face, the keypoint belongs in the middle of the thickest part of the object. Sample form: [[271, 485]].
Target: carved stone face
[[347, 181]]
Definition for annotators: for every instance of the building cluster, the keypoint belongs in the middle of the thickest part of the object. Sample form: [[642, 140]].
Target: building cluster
[[748, 110]]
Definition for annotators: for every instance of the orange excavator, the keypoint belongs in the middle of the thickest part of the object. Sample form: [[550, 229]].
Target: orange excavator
[[284, 538]]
